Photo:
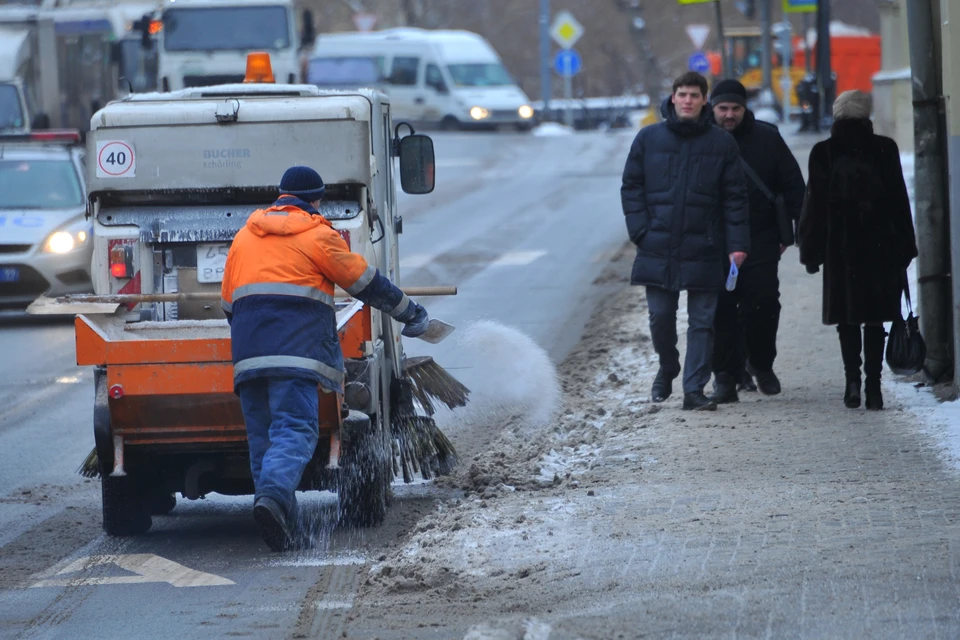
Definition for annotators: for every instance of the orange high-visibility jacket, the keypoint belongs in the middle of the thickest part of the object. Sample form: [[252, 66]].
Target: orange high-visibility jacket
[[278, 289]]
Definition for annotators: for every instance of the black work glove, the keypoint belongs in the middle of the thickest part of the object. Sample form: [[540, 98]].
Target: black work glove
[[418, 325], [812, 268]]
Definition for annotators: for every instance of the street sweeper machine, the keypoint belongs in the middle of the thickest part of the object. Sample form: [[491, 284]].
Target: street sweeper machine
[[171, 178]]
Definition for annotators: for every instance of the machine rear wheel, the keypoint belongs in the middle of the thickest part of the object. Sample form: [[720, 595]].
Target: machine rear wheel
[[125, 512]]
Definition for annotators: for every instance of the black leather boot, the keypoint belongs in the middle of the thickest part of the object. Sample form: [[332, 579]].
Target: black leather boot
[[724, 389], [662, 387], [850, 346], [698, 402], [873, 338]]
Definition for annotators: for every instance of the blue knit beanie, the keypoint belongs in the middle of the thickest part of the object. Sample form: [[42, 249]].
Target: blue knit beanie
[[303, 182]]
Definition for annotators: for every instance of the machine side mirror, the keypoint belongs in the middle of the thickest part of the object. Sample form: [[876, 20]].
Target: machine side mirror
[[417, 164], [440, 88]]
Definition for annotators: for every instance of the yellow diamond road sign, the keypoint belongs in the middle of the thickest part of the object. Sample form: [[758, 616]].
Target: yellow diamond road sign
[[565, 30]]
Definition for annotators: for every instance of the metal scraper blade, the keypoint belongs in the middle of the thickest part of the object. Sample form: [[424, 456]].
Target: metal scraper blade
[[437, 331]]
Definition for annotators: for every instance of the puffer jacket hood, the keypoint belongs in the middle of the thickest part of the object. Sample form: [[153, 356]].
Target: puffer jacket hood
[[301, 217], [686, 127]]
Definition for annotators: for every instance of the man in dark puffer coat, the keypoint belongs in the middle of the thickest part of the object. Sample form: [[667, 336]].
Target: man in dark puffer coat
[[748, 317], [685, 205]]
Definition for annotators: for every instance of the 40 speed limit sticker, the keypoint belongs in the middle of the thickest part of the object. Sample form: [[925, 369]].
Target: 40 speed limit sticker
[[115, 159]]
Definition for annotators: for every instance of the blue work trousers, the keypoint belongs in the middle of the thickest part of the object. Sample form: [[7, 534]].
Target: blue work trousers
[[282, 431]]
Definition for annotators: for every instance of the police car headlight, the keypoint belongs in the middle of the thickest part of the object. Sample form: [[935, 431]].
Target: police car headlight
[[526, 112], [479, 113], [67, 240]]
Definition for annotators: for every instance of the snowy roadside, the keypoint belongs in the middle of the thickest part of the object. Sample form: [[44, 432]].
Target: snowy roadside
[[939, 420], [531, 500]]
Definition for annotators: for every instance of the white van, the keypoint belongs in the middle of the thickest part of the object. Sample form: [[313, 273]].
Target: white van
[[451, 78]]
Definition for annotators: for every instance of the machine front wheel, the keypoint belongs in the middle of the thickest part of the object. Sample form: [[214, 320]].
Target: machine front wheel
[[365, 472]]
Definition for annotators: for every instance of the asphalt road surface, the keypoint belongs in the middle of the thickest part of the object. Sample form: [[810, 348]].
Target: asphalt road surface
[[522, 225]]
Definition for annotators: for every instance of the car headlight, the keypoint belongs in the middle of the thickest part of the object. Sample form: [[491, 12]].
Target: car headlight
[[67, 240], [479, 113], [526, 112]]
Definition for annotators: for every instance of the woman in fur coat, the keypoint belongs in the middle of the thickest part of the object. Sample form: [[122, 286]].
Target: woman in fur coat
[[856, 223]]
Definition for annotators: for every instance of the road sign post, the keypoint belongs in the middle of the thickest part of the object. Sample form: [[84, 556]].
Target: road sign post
[[565, 31], [568, 63], [546, 81]]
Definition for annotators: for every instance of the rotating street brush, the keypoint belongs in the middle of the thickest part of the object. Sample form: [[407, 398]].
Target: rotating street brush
[[419, 445]]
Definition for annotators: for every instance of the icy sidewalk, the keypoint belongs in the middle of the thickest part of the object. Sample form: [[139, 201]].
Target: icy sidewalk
[[941, 420], [786, 516]]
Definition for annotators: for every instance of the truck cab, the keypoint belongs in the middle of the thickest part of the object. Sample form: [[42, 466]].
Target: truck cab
[[171, 179], [206, 42]]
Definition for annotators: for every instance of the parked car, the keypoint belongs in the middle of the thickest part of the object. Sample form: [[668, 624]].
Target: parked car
[[45, 241]]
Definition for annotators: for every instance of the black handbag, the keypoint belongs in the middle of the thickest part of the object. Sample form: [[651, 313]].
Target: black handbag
[[906, 350], [785, 224]]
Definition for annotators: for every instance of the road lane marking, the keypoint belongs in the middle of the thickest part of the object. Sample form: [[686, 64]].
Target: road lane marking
[[333, 604], [416, 261], [321, 561], [147, 566], [518, 258], [450, 163]]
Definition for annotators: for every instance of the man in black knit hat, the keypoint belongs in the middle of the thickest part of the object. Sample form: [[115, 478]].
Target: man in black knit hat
[[747, 317]]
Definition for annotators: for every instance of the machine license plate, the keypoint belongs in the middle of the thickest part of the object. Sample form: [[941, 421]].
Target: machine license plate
[[9, 274], [211, 259]]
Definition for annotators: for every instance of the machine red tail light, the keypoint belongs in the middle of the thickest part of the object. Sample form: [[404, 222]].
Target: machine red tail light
[[121, 258]]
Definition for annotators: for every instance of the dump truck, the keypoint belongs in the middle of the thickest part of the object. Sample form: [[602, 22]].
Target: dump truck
[[171, 178]]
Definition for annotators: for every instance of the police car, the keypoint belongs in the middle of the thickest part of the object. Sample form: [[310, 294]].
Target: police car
[[45, 243]]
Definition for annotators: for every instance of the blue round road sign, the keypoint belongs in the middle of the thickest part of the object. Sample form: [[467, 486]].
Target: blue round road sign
[[699, 62], [567, 62]]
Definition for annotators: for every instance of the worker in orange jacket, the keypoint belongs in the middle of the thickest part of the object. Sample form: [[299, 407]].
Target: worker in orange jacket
[[278, 287]]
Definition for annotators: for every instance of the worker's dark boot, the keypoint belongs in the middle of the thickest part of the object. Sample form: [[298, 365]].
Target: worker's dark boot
[[698, 402], [724, 389], [662, 386], [272, 522], [850, 347], [873, 339]]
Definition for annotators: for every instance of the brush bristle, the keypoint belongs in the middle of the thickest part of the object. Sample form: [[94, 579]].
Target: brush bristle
[[422, 447], [91, 466]]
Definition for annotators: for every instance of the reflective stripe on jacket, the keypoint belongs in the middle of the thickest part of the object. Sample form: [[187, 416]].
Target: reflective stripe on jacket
[[277, 293]]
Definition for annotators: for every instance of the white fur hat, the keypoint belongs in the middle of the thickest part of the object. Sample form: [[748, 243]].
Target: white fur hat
[[852, 105]]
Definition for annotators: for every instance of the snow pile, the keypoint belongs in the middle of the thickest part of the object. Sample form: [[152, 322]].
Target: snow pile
[[551, 130]]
